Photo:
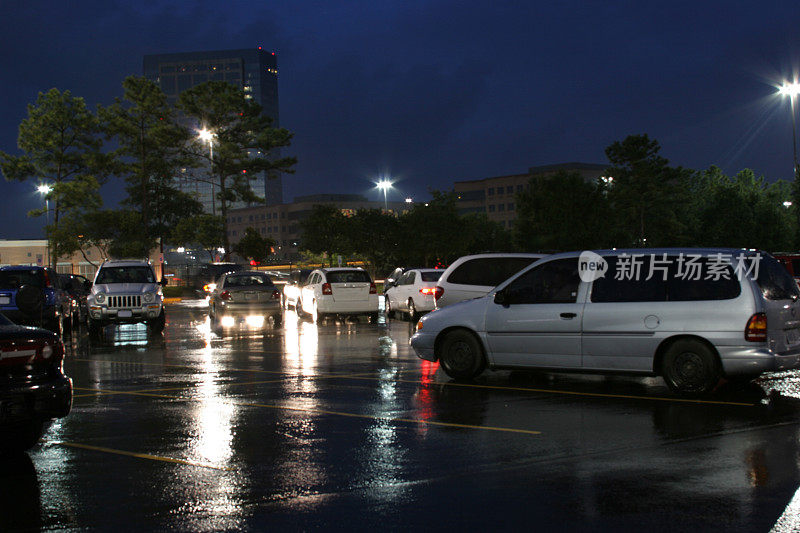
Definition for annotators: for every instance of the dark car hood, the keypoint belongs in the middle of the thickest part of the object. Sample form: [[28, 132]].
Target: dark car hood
[[14, 332]]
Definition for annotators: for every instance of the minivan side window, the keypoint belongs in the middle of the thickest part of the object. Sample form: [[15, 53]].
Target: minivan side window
[[488, 271], [682, 283], [775, 281], [553, 282]]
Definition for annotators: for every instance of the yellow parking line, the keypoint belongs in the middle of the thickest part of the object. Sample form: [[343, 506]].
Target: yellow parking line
[[322, 412], [371, 377], [141, 455]]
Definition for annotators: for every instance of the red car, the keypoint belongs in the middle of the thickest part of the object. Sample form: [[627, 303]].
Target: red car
[[33, 386]]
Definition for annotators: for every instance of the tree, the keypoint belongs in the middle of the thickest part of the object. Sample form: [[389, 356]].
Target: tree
[[562, 212], [253, 246], [245, 142], [374, 235], [60, 144], [204, 230], [434, 232], [151, 150], [325, 231], [646, 193]]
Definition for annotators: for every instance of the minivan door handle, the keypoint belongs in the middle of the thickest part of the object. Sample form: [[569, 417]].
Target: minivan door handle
[[568, 316]]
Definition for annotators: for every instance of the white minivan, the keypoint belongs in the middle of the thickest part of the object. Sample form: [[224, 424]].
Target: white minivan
[[472, 276], [691, 316]]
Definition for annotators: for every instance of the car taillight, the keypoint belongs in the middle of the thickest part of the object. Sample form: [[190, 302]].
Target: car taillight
[[206, 289], [225, 295], [276, 295], [437, 292], [756, 329], [326, 289], [372, 288], [47, 282], [428, 291]]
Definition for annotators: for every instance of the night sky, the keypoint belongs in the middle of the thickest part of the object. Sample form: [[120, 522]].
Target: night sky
[[431, 92]]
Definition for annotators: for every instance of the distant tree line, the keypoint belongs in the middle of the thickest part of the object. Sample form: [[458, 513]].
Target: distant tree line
[[640, 201], [147, 142]]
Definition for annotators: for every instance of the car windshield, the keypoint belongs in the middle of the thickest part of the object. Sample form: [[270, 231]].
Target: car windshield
[[14, 279], [248, 280], [127, 274], [348, 276]]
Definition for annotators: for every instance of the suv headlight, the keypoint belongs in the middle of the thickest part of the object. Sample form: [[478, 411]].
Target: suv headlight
[[148, 297], [100, 297]]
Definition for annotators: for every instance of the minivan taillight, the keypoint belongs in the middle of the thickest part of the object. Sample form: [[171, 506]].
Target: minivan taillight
[[225, 295], [437, 292], [756, 329], [372, 288], [326, 289]]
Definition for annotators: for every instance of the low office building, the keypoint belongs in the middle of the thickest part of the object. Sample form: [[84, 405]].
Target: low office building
[[496, 196], [281, 223]]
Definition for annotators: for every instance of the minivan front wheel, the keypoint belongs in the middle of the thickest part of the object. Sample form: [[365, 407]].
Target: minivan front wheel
[[461, 355], [690, 367]]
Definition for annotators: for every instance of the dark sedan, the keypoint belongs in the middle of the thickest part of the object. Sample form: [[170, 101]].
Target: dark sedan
[[33, 386]]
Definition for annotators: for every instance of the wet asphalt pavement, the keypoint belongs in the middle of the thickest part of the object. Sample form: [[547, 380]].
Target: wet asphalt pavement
[[341, 427]]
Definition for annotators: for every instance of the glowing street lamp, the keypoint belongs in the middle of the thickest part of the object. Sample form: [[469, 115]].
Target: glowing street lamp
[[385, 185], [792, 90]]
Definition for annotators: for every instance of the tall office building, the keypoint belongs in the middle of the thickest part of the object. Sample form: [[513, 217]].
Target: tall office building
[[253, 70]]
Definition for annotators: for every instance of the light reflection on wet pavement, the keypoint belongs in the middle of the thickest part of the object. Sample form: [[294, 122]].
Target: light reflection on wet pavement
[[340, 426]]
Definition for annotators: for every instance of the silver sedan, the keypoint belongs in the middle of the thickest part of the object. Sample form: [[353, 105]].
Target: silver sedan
[[246, 300]]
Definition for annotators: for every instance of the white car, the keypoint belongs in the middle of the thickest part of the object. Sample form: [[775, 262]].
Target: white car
[[294, 287], [473, 276], [339, 291], [413, 292]]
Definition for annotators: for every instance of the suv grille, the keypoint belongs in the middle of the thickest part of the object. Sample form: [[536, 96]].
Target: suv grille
[[125, 301]]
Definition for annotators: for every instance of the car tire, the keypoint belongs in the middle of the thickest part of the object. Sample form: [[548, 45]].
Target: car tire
[[690, 368], [21, 436], [157, 324], [95, 328], [412, 311], [461, 355], [388, 306]]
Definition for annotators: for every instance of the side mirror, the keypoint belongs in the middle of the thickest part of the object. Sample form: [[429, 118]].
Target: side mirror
[[164, 282], [501, 298]]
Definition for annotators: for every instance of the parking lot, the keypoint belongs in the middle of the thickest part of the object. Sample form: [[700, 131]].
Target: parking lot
[[341, 426]]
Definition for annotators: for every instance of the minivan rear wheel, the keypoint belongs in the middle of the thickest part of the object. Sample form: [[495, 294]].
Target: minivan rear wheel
[[461, 355], [690, 368]]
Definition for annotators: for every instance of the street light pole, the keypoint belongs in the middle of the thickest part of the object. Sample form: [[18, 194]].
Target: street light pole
[[44, 190], [791, 90], [206, 135]]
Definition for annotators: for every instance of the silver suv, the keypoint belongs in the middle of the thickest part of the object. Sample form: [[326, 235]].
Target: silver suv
[[126, 292], [692, 316]]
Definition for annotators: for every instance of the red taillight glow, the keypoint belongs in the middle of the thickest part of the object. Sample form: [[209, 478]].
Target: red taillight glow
[[437, 292], [428, 291], [276, 295], [756, 329], [225, 295], [372, 288], [26, 351], [326, 289], [47, 282]]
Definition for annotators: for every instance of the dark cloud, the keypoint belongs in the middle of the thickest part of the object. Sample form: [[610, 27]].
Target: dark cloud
[[435, 91]]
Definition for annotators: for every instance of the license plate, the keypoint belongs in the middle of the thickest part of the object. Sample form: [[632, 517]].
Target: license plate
[[124, 313], [5, 300]]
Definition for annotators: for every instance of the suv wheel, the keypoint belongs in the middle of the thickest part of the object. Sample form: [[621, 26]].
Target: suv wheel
[[157, 324]]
